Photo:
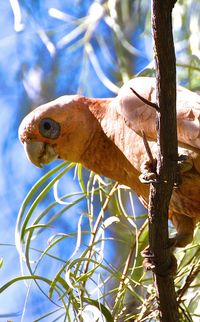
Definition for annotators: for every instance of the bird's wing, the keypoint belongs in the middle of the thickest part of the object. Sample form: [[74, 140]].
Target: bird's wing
[[188, 116], [142, 117], [136, 113]]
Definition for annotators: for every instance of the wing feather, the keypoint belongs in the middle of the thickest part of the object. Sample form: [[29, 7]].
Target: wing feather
[[140, 116]]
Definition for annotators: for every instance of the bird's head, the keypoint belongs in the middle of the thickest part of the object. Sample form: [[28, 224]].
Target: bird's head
[[58, 129]]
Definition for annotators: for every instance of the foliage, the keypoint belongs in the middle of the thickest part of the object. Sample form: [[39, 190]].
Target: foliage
[[81, 250], [115, 283]]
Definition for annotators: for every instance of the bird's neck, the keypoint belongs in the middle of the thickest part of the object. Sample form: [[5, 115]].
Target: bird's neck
[[112, 151]]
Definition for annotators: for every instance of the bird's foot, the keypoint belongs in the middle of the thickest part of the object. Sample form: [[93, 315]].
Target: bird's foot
[[148, 169], [148, 261], [167, 267], [185, 164], [148, 177]]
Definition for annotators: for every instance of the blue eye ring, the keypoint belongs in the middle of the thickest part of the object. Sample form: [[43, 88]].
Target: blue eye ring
[[49, 128]]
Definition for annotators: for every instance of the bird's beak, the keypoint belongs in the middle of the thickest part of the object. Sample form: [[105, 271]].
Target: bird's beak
[[39, 153]]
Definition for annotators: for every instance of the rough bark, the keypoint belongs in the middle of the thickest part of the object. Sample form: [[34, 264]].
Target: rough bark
[[161, 191]]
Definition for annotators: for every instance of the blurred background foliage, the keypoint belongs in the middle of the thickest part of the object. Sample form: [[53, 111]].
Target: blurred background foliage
[[79, 236]]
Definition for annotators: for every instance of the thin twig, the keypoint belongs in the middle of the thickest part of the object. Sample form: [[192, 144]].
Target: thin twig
[[145, 101], [147, 147]]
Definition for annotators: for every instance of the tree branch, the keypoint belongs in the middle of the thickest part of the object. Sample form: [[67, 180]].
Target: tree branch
[[160, 192]]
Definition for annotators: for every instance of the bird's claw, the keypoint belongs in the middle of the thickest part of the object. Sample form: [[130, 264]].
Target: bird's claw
[[185, 163], [148, 177], [148, 174], [148, 169]]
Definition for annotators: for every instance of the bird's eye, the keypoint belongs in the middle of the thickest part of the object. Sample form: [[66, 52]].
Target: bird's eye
[[49, 128]]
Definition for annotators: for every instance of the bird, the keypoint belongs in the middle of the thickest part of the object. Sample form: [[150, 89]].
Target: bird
[[105, 136]]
